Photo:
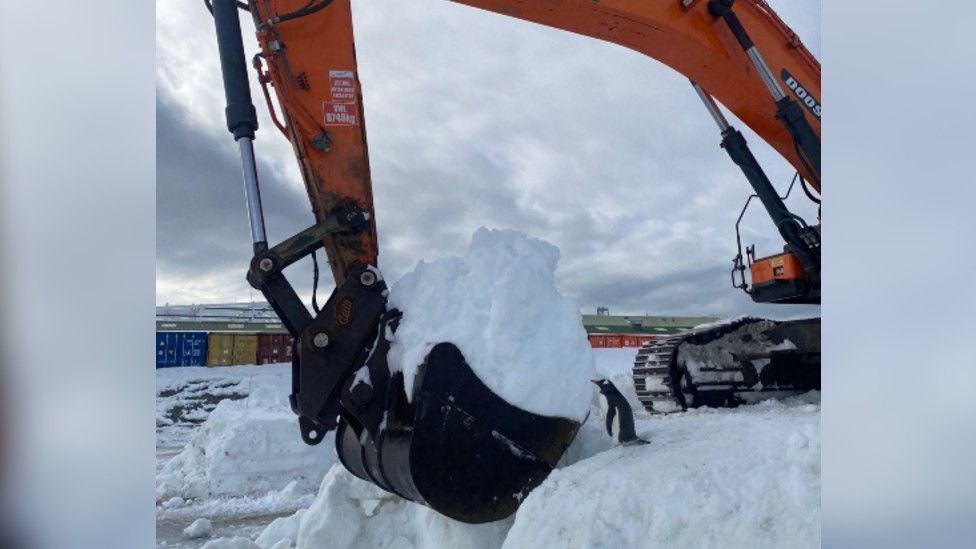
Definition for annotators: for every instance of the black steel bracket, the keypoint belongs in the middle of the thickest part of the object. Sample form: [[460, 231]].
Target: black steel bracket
[[806, 143], [366, 395], [333, 344], [332, 347], [267, 265]]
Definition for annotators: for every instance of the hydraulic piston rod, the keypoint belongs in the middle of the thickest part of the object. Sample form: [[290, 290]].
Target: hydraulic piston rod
[[242, 118], [807, 143], [735, 145], [252, 192]]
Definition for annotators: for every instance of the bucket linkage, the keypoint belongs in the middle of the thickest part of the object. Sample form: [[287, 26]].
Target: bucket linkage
[[453, 444]]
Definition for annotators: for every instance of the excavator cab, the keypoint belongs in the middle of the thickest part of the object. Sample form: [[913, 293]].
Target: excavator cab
[[791, 276]]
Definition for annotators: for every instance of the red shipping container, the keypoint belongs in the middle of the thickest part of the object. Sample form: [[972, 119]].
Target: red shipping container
[[606, 341], [274, 348], [631, 341], [603, 341]]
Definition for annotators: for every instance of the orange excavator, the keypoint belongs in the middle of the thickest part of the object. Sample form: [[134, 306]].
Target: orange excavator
[[453, 444]]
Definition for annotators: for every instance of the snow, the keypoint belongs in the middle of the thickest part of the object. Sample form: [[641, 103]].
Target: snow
[[729, 478], [354, 514], [248, 446], [186, 396], [174, 502], [230, 543], [198, 529], [499, 305], [281, 530], [745, 477]]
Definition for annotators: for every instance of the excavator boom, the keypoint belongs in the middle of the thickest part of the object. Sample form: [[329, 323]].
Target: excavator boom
[[310, 60], [686, 37]]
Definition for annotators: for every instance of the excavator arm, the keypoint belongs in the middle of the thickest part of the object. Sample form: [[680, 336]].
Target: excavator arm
[[443, 446]]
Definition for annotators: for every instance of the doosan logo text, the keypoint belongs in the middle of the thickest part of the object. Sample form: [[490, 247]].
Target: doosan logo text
[[801, 93]]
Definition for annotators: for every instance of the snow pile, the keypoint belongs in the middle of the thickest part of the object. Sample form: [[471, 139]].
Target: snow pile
[[591, 439], [349, 512], [200, 528], [281, 531], [499, 304], [748, 477], [186, 396], [743, 478], [246, 447]]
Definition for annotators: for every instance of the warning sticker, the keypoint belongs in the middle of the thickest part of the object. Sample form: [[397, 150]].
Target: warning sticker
[[343, 86], [340, 115]]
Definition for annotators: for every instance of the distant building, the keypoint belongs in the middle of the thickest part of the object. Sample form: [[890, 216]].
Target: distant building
[[605, 330], [220, 317]]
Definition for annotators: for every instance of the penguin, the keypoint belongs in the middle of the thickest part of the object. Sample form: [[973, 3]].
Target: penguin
[[620, 417]]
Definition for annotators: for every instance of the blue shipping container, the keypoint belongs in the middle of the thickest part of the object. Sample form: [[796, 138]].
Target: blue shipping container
[[174, 349]]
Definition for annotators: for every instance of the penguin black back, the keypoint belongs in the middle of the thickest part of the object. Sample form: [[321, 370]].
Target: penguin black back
[[620, 413]]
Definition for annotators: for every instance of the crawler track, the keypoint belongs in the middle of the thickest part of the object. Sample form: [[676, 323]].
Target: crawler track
[[728, 364]]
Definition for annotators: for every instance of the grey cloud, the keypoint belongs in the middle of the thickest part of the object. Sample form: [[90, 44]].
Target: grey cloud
[[201, 222]]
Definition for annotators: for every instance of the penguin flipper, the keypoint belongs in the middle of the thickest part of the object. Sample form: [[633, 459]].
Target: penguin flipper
[[611, 412]]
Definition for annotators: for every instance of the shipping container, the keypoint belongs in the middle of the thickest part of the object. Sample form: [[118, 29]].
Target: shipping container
[[165, 350], [194, 349], [220, 349], [245, 348], [228, 349], [178, 349], [636, 340], [274, 348], [601, 341]]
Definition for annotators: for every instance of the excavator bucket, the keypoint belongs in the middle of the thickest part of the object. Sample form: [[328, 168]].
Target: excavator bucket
[[454, 445]]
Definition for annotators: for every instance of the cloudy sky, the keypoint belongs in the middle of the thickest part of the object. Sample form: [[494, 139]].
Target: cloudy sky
[[476, 119]]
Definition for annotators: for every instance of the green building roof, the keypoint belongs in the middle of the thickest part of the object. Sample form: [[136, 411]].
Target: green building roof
[[637, 324]]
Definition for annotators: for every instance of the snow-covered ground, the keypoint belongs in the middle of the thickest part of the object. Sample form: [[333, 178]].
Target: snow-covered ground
[[186, 396], [748, 477], [228, 449]]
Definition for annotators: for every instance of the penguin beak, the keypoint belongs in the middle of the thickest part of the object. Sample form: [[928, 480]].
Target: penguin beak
[[595, 381]]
